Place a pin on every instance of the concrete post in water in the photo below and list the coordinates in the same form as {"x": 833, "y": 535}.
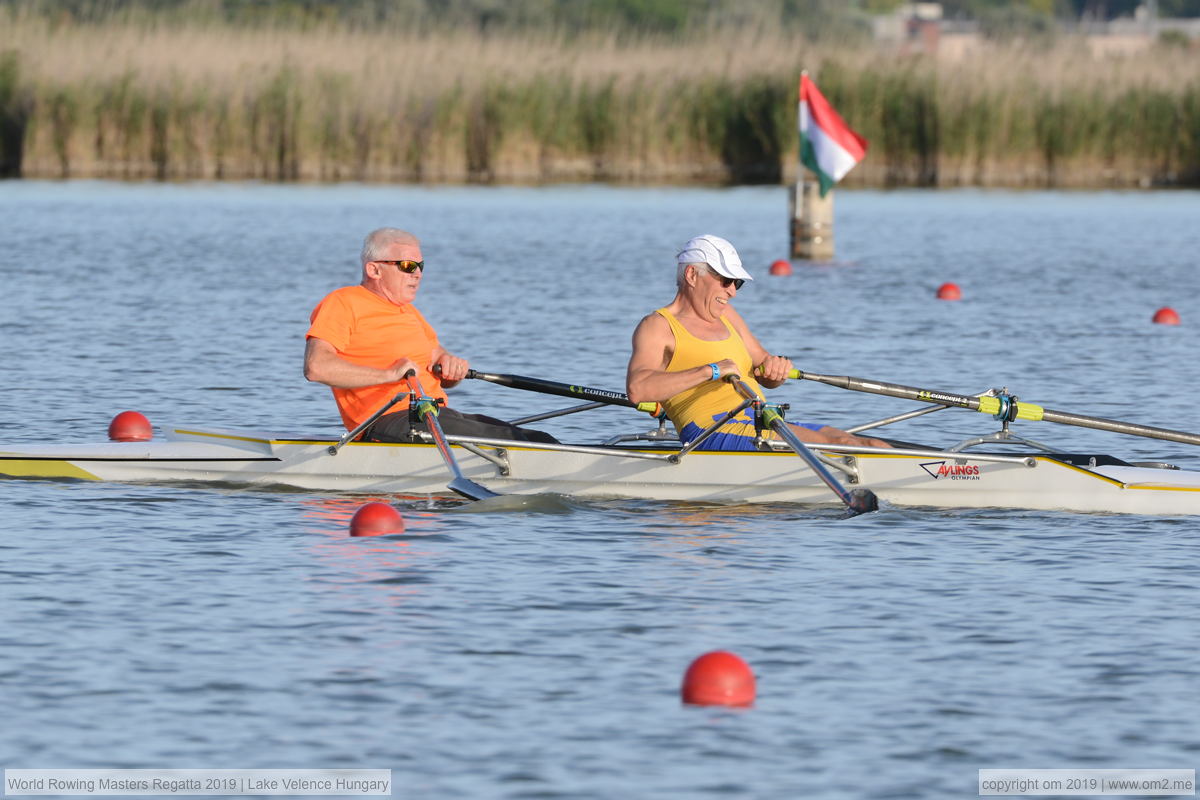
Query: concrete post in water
{"x": 811, "y": 220}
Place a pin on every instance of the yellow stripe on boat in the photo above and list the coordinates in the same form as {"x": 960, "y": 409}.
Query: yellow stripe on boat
{"x": 1162, "y": 487}
{"x": 230, "y": 436}
{"x": 1088, "y": 472}
{"x": 38, "y": 468}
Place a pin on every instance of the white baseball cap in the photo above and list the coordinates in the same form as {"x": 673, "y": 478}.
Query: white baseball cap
{"x": 717, "y": 253}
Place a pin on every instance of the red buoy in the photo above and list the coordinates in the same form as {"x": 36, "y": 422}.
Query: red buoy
{"x": 376, "y": 519}
{"x": 781, "y": 267}
{"x": 1166, "y": 316}
{"x": 949, "y": 291}
{"x": 719, "y": 678}
{"x": 130, "y": 426}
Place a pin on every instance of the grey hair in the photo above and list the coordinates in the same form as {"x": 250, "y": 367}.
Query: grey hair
{"x": 681, "y": 274}
{"x": 380, "y": 239}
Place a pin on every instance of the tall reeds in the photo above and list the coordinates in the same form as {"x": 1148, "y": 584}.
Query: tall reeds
{"x": 16, "y": 105}
{"x": 206, "y": 101}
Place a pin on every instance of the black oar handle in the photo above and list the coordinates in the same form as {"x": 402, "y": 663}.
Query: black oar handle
{"x": 561, "y": 389}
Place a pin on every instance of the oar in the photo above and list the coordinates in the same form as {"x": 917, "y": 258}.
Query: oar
{"x": 366, "y": 423}
{"x": 858, "y": 501}
{"x": 426, "y": 408}
{"x": 562, "y": 390}
{"x": 1002, "y": 407}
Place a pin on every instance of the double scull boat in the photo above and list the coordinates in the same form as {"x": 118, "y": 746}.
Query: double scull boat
{"x": 653, "y": 465}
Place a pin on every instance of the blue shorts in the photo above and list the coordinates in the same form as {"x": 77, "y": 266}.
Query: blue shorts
{"x": 734, "y": 435}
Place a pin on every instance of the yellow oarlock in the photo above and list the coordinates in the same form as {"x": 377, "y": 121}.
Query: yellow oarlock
{"x": 991, "y": 405}
{"x": 769, "y": 415}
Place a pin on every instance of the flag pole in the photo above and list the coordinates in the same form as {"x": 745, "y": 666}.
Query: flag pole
{"x": 811, "y": 215}
{"x": 811, "y": 219}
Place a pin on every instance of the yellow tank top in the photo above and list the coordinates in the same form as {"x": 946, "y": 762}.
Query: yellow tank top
{"x": 702, "y": 404}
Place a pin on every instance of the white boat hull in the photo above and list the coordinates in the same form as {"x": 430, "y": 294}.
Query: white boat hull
{"x": 905, "y": 478}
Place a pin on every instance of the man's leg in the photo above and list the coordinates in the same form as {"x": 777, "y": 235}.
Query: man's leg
{"x": 486, "y": 427}
{"x": 827, "y": 434}
{"x": 397, "y": 428}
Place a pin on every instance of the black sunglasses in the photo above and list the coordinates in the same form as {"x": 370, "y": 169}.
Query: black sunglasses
{"x": 725, "y": 282}
{"x": 406, "y": 265}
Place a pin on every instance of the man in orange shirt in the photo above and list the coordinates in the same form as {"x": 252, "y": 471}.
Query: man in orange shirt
{"x": 363, "y": 339}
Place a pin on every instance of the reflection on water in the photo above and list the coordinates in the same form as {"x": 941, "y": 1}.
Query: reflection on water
{"x": 393, "y": 562}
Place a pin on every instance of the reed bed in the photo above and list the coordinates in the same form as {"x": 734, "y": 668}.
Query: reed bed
{"x": 212, "y": 102}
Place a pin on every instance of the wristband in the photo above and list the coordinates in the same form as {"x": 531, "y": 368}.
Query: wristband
{"x": 716, "y": 371}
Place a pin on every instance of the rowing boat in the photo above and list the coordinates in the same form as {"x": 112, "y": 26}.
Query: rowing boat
{"x": 649, "y": 470}
{"x": 651, "y": 465}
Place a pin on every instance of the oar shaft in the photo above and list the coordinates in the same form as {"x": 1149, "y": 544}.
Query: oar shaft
{"x": 889, "y": 389}
{"x": 562, "y": 412}
{"x": 349, "y": 436}
{"x": 561, "y": 389}
{"x": 993, "y": 405}
{"x": 1116, "y": 426}
{"x": 784, "y": 432}
{"x": 857, "y": 502}
{"x": 427, "y": 410}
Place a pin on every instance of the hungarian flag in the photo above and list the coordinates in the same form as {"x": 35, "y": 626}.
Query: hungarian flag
{"x": 827, "y": 144}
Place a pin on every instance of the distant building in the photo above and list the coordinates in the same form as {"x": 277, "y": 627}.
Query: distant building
{"x": 1126, "y": 35}
{"x": 923, "y": 28}
{"x": 911, "y": 27}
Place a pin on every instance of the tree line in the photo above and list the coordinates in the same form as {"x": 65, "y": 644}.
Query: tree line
{"x": 815, "y": 18}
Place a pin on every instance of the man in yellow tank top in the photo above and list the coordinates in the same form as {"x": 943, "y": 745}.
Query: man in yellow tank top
{"x": 682, "y": 352}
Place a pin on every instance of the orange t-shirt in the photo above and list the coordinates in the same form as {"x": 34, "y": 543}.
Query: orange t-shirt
{"x": 366, "y": 329}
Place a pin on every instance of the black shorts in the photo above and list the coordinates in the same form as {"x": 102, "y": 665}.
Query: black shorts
{"x": 396, "y": 428}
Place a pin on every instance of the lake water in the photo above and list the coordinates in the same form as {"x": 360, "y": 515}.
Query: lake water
{"x": 538, "y": 654}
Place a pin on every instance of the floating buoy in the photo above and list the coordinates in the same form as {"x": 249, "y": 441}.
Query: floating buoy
{"x": 376, "y": 519}
{"x": 949, "y": 291}
{"x": 719, "y": 678}
{"x": 781, "y": 267}
{"x": 1166, "y": 316}
{"x": 130, "y": 426}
